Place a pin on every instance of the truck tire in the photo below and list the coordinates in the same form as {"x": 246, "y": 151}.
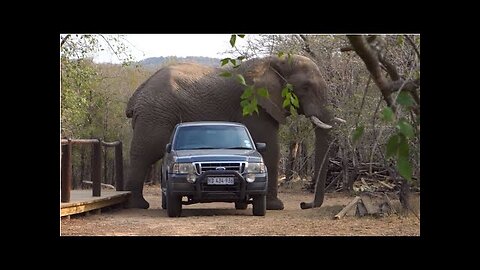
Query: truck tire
{"x": 174, "y": 205}
{"x": 260, "y": 205}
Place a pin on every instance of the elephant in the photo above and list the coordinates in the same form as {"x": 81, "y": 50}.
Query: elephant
{"x": 185, "y": 92}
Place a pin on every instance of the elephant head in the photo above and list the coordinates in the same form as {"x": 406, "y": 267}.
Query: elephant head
{"x": 311, "y": 90}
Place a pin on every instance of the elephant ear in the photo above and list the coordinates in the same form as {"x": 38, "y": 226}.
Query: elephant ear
{"x": 265, "y": 76}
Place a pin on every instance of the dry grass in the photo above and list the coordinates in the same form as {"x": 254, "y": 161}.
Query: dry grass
{"x": 221, "y": 219}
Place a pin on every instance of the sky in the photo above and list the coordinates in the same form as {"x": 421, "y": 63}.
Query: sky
{"x": 180, "y": 45}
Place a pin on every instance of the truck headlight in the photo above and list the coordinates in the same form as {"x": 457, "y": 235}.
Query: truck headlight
{"x": 255, "y": 168}
{"x": 183, "y": 168}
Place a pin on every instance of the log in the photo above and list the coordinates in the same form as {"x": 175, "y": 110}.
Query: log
{"x": 347, "y": 208}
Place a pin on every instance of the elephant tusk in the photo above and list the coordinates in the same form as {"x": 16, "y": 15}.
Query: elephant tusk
{"x": 338, "y": 119}
{"x": 319, "y": 123}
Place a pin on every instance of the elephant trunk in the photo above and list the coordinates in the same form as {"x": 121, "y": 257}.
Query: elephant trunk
{"x": 322, "y": 148}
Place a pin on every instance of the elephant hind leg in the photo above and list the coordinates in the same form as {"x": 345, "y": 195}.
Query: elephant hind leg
{"x": 138, "y": 171}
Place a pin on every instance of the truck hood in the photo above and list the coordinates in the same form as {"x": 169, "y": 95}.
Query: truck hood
{"x": 217, "y": 155}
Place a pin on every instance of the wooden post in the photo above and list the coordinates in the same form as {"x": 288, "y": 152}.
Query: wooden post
{"x": 96, "y": 168}
{"x": 119, "y": 167}
{"x": 66, "y": 172}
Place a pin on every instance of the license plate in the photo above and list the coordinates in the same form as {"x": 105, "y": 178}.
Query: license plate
{"x": 220, "y": 181}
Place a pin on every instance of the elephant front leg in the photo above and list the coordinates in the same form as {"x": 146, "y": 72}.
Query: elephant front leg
{"x": 134, "y": 184}
{"x": 271, "y": 161}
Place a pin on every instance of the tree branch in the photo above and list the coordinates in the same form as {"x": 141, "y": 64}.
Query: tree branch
{"x": 370, "y": 58}
{"x": 306, "y": 46}
{"x": 413, "y": 45}
{"x": 363, "y": 100}
{"x": 111, "y": 48}
{"x": 64, "y": 40}
{"x": 391, "y": 69}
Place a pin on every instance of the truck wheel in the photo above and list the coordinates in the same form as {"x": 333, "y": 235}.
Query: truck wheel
{"x": 241, "y": 205}
{"x": 164, "y": 201}
{"x": 174, "y": 205}
{"x": 260, "y": 205}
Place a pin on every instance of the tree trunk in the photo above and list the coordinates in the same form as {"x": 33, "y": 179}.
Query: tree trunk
{"x": 405, "y": 195}
{"x": 292, "y": 156}
{"x": 345, "y": 164}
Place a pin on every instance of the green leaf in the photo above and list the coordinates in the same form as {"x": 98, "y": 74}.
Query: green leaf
{"x": 288, "y": 96}
{"x": 403, "y": 164}
{"x": 254, "y": 104}
{"x": 280, "y": 54}
{"x": 236, "y": 66}
{"x": 392, "y": 146}
{"x": 405, "y": 128}
{"x": 263, "y": 92}
{"x": 286, "y": 103}
{"x": 295, "y": 100}
{"x": 404, "y": 168}
{"x": 290, "y": 58}
{"x": 233, "y": 38}
{"x": 289, "y": 86}
{"x": 357, "y": 133}
{"x": 234, "y": 62}
{"x": 241, "y": 80}
{"x": 241, "y": 36}
{"x": 284, "y": 91}
{"x": 387, "y": 114}
{"x": 244, "y": 103}
{"x": 405, "y": 99}
{"x": 226, "y": 74}
{"x": 241, "y": 57}
{"x": 247, "y": 93}
{"x": 225, "y": 61}
{"x": 246, "y": 110}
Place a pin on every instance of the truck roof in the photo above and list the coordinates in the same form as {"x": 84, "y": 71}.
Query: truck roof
{"x": 203, "y": 123}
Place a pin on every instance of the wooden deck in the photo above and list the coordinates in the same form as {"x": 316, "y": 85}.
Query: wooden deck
{"x": 83, "y": 201}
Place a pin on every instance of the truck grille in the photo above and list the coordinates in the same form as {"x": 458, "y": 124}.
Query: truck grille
{"x": 202, "y": 167}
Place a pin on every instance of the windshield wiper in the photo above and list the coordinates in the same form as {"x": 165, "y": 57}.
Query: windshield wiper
{"x": 203, "y": 148}
{"x": 240, "y": 147}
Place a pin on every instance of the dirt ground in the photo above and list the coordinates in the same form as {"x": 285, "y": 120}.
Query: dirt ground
{"x": 221, "y": 219}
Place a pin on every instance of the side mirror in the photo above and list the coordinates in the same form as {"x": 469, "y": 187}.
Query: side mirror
{"x": 261, "y": 147}
{"x": 168, "y": 148}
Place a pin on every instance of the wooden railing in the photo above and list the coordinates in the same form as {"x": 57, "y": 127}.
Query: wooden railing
{"x": 66, "y": 183}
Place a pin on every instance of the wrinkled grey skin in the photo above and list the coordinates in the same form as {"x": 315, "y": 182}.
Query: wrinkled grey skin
{"x": 190, "y": 92}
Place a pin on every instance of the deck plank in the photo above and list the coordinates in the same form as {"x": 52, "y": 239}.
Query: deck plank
{"x": 83, "y": 201}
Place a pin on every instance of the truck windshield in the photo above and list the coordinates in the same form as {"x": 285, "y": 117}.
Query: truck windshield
{"x": 212, "y": 137}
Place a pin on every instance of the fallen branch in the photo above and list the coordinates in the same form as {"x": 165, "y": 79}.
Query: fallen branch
{"x": 347, "y": 208}
{"x": 386, "y": 185}
{"x": 101, "y": 184}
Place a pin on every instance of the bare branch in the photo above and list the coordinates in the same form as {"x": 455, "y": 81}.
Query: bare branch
{"x": 306, "y": 46}
{"x": 370, "y": 58}
{"x": 363, "y": 100}
{"x": 413, "y": 45}
{"x": 64, "y": 40}
{"x": 410, "y": 86}
{"x": 113, "y": 50}
{"x": 391, "y": 69}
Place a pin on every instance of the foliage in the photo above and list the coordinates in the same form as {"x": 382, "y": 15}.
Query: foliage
{"x": 354, "y": 99}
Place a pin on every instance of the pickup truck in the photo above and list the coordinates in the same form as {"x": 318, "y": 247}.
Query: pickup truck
{"x": 213, "y": 162}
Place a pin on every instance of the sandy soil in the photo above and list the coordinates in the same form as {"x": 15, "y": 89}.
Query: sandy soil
{"x": 221, "y": 219}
